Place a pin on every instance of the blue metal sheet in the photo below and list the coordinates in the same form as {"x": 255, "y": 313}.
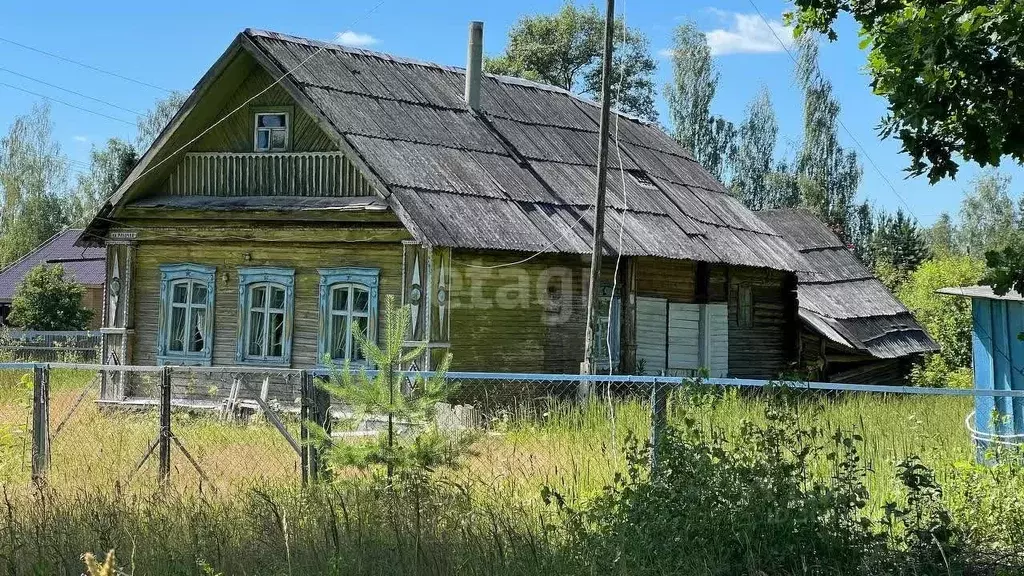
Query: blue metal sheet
{"x": 1001, "y": 367}
{"x": 1015, "y": 324}
{"x": 984, "y": 375}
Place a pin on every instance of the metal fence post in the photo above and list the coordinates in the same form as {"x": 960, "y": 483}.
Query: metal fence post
{"x": 659, "y": 406}
{"x": 320, "y": 409}
{"x": 164, "y": 471}
{"x": 40, "y": 422}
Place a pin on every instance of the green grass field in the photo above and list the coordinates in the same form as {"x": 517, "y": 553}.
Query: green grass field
{"x": 575, "y": 449}
{"x": 243, "y": 514}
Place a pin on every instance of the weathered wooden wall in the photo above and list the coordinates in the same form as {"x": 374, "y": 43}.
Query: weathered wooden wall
{"x": 235, "y": 134}
{"x": 92, "y": 299}
{"x": 768, "y": 347}
{"x": 227, "y": 255}
{"x": 525, "y": 318}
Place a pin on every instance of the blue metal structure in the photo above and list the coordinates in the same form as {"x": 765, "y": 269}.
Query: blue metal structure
{"x": 998, "y": 351}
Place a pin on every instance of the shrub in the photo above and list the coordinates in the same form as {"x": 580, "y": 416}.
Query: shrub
{"x": 47, "y": 300}
{"x": 946, "y": 318}
{"x": 781, "y": 498}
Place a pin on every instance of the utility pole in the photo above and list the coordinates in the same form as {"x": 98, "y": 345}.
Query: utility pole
{"x": 602, "y": 177}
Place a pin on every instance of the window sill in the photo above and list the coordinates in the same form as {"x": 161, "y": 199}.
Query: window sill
{"x": 263, "y": 362}
{"x": 182, "y": 361}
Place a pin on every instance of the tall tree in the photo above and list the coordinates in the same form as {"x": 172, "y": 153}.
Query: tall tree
{"x": 754, "y": 156}
{"x": 940, "y": 237}
{"x": 564, "y": 49}
{"x": 987, "y": 215}
{"x": 689, "y": 96}
{"x": 33, "y": 179}
{"x": 952, "y": 72}
{"x": 108, "y": 167}
{"x": 861, "y": 229}
{"x": 829, "y": 174}
{"x": 898, "y": 242}
{"x": 156, "y": 118}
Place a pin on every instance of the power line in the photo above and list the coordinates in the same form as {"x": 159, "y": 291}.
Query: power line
{"x": 277, "y": 81}
{"x": 70, "y": 105}
{"x": 70, "y": 91}
{"x": 84, "y": 65}
{"x": 839, "y": 120}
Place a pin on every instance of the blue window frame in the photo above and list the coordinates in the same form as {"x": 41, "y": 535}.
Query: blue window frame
{"x": 348, "y": 298}
{"x": 266, "y": 302}
{"x": 185, "y": 334}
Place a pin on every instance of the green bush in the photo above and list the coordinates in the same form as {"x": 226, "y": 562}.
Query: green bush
{"x": 47, "y": 300}
{"x": 946, "y": 318}
{"x": 782, "y": 498}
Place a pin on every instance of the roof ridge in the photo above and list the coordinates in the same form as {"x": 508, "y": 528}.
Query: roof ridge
{"x": 38, "y": 248}
{"x": 514, "y": 80}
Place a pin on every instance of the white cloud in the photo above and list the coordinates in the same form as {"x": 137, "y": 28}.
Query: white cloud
{"x": 352, "y": 38}
{"x": 82, "y": 139}
{"x": 749, "y": 34}
{"x": 666, "y": 52}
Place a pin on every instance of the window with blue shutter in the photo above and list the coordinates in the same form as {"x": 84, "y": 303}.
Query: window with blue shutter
{"x": 185, "y": 335}
{"x": 348, "y": 301}
{"x": 266, "y": 303}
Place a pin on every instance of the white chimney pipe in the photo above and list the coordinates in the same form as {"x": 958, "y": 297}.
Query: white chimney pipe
{"x": 474, "y": 63}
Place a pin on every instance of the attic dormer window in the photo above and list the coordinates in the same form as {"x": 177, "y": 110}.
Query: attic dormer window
{"x": 271, "y": 131}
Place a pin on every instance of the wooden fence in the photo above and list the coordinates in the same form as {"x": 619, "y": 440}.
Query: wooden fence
{"x": 50, "y": 346}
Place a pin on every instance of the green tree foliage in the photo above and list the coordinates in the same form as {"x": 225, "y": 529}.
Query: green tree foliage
{"x": 710, "y": 138}
{"x": 156, "y": 118}
{"x": 829, "y": 175}
{"x": 988, "y": 218}
{"x": 898, "y": 242}
{"x": 33, "y": 181}
{"x": 413, "y": 443}
{"x": 754, "y": 157}
{"x": 952, "y": 73}
{"x": 940, "y": 236}
{"x": 565, "y": 50}
{"x": 48, "y": 300}
{"x": 108, "y": 167}
{"x": 946, "y": 318}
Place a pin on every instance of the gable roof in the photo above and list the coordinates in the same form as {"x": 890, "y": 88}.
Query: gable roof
{"x": 518, "y": 174}
{"x": 840, "y": 298}
{"x": 86, "y": 265}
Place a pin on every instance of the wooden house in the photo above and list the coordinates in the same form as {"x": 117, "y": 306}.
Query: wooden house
{"x": 84, "y": 265}
{"x": 270, "y": 217}
{"x": 853, "y": 329}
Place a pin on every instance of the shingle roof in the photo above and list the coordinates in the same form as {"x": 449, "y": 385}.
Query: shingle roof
{"x": 86, "y": 265}
{"x": 519, "y": 175}
{"x": 840, "y": 298}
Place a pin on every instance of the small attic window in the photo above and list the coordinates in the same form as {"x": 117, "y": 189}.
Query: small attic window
{"x": 642, "y": 180}
{"x": 271, "y": 131}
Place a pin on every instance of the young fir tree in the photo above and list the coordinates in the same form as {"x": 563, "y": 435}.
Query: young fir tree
{"x": 413, "y": 444}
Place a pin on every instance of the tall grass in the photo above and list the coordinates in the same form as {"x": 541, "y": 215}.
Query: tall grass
{"x": 492, "y": 516}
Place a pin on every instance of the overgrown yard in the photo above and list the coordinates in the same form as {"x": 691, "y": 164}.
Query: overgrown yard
{"x": 524, "y": 498}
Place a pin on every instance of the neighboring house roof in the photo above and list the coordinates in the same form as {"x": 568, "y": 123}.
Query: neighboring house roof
{"x": 516, "y": 175}
{"x": 984, "y": 292}
{"x": 86, "y": 265}
{"x": 840, "y": 298}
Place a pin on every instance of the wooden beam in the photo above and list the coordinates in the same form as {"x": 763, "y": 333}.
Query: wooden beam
{"x": 276, "y": 215}
{"x": 627, "y": 337}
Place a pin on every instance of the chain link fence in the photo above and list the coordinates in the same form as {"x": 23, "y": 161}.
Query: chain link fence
{"x": 214, "y": 428}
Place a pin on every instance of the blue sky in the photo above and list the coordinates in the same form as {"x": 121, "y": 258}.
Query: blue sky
{"x": 172, "y": 44}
